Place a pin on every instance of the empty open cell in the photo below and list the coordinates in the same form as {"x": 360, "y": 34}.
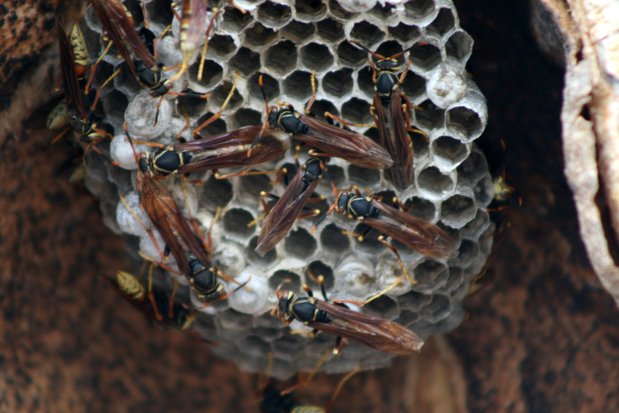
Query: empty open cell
{"x": 300, "y": 243}
{"x": 333, "y": 240}
{"x": 259, "y": 35}
{"x": 247, "y": 117}
{"x": 350, "y": 55}
{"x": 390, "y": 48}
{"x": 369, "y": 241}
{"x": 472, "y": 169}
{"x": 114, "y": 104}
{"x": 430, "y": 275}
{"x": 237, "y": 220}
{"x": 245, "y": 61}
{"x": 419, "y": 9}
{"x": 191, "y": 103}
{"x": 254, "y": 184}
{"x": 234, "y": 20}
{"x": 413, "y": 301}
{"x": 467, "y": 252}
{"x": 335, "y": 175}
{"x": 363, "y": 176}
{"x": 270, "y": 85}
{"x": 211, "y": 75}
{"x": 437, "y": 309}
{"x": 384, "y": 307}
{"x": 443, "y": 23}
{"x": 215, "y": 128}
{"x": 357, "y": 111}
{"x": 431, "y": 179}
{"x": 310, "y": 10}
{"x": 338, "y": 12}
{"x": 365, "y": 82}
{"x": 407, "y": 317}
{"x": 413, "y": 85}
{"x": 459, "y": 46}
{"x": 221, "y": 93}
{"x": 404, "y": 32}
{"x": 425, "y": 56}
{"x": 338, "y": 83}
{"x": 221, "y": 46}
{"x": 281, "y": 58}
{"x": 429, "y": 116}
{"x": 287, "y": 279}
{"x": 382, "y": 11}
{"x": 297, "y": 31}
{"x": 450, "y": 149}
{"x": 255, "y": 345}
{"x": 330, "y": 30}
{"x": 315, "y": 269}
{"x": 321, "y": 106}
{"x": 216, "y": 193}
{"x": 254, "y": 258}
{"x": 274, "y": 14}
{"x": 298, "y": 85}
{"x": 316, "y": 56}
{"x": 484, "y": 190}
{"x": 421, "y": 208}
{"x": 160, "y": 12}
{"x": 458, "y": 210}
{"x": 366, "y": 34}
{"x": 104, "y": 71}
{"x": 465, "y": 120}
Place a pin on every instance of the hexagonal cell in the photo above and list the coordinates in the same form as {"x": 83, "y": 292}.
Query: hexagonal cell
{"x": 300, "y": 243}
{"x": 259, "y": 36}
{"x": 234, "y": 20}
{"x": 464, "y": 119}
{"x": 363, "y": 176}
{"x": 245, "y": 61}
{"x": 212, "y": 74}
{"x": 281, "y": 58}
{"x": 160, "y": 12}
{"x": 221, "y": 93}
{"x": 271, "y": 87}
{"x": 114, "y": 104}
{"x": 310, "y": 10}
{"x": 316, "y": 56}
{"x": 273, "y": 14}
{"x": 335, "y": 175}
{"x": 338, "y": 83}
{"x": 216, "y": 193}
{"x": 414, "y": 85}
{"x": 419, "y": 9}
{"x": 432, "y": 180}
{"x": 421, "y": 208}
{"x": 437, "y": 309}
{"x": 443, "y": 23}
{"x": 126, "y": 81}
{"x": 333, "y": 240}
{"x": 350, "y": 55}
{"x": 221, "y": 46}
{"x": 254, "y": 258}
{"x": 298, "y": 85}
{"x": 237, "y": 220}
{"x": 191, "y": 103}
{"x": 484, "y": 190}
{"x": 321, "y": 106}
{"x": 383, "y": 306}
{"x": 356, "y": 110}
{"x": 429, "y": 116}
{"x": 430, "y": 275}
{"x": 254, "y": 184}
{"x": 369, "y": 241}
{"x": 390, "y": 48}
{"x": 366, "y": 34}
{"x": 413, "y": 301}
{"x": 365, "y": 82}
{"x": 338, "y": 12}
{"x": 382, "y": 12}
{"x": 104, "y": 71}
{"x": 472, "y": 169}
{"x": 315, "y": 269}
{"x": 330, "y": 30}
{"x": 407, "y": 317}
{"x": 215, "y": 128}
{"x": 404, "y": 32}
{"x": 458, "y": 210}
{"x": 425, "y": 57}
{"x": 247, "y": 117}
{"x": 289, "y": 279}
{"x": 459, "y": 46}
{"x": 297, "y": 31}
{"x": 450, "y": 149}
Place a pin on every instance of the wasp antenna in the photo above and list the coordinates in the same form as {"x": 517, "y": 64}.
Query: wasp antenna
{"x": 374, "y": 54}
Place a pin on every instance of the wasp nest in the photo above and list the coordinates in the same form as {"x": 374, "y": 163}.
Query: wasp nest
{"x": 287, "y": 41}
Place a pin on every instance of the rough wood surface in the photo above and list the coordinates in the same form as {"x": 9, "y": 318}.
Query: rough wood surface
{"x": 544, "y": 337}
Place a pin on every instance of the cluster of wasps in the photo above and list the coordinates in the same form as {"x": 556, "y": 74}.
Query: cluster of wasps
{"x": 248, "y": 147}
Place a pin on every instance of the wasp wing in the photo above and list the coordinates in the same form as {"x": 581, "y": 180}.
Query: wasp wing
{"x": 72, "y": 91}
{"x": 376, "y": 332}
{"x": 416, "y": 233}
{"x": 284, "y": 213}
{"x": 334, "y": 141}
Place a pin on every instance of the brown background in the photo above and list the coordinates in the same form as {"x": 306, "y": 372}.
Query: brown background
{"x": 544, "y": 337}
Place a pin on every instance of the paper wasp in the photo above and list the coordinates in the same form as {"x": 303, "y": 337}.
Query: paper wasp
{"x": 287, "y": 209}
{"x": 161, "y": 309}
{"x": 272, "y": 400}
{"x": 390, "y": 110}
{"x": 416, "y": 233}
{"x": 329, "y": 139}
{"x": 339, "y": 320}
